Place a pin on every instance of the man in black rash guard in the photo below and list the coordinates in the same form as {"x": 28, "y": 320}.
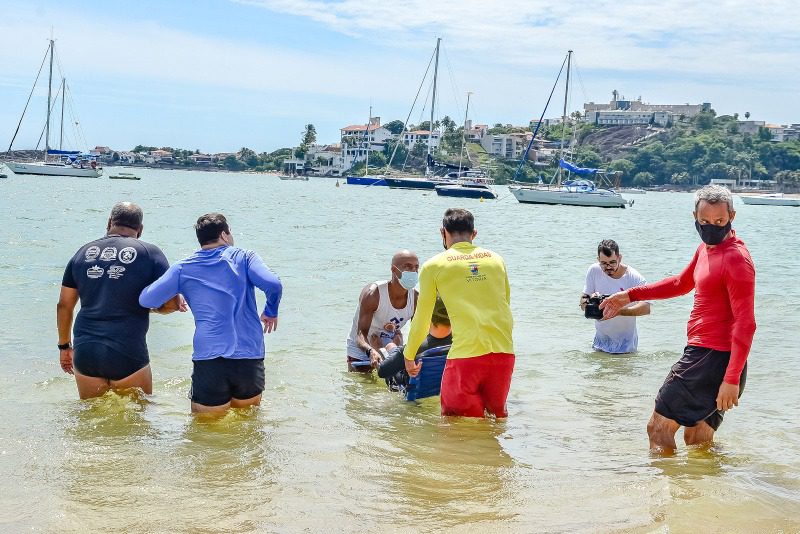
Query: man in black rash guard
{"x": 393, "y": 368}
{"x": 107, "y": 275}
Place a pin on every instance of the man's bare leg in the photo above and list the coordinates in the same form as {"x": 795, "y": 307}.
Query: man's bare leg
{"x": 143, "y": 379}
{"x": 244, "y": 403}
{"x": 699, "y": 434}
{"x": 661, "y": 432}
{"x": 90, "y": 387}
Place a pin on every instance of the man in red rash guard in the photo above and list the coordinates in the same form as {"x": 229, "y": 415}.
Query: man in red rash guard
{"x": 710, "y": 377}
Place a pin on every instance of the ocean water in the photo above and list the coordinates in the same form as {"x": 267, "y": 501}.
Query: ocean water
{"x": 329, "y": 451}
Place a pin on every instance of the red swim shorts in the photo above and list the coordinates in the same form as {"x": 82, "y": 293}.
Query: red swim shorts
{"x": 473, "y": 386}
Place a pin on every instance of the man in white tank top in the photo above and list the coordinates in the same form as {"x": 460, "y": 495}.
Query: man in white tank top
{"x": 383, "y": 308}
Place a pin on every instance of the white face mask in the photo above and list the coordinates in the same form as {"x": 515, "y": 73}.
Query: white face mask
{"x": 408, "y": 279}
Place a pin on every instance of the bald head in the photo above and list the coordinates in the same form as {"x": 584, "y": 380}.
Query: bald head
{"x": 403, "y": 257}
{"x": 404, "y": 261}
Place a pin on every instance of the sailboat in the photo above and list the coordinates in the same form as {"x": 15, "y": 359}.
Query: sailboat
{"x": 468, "y": 183}
{"x": 580, "y": 191}
{"x": 430, "y": 180}
{"x": 56, "y": 162}
{"x": 366, "y": 179}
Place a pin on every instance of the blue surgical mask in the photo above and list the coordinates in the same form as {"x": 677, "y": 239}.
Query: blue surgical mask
{"x": 409, "y": 279}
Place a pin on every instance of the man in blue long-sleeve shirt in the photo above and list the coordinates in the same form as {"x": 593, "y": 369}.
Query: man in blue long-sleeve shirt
{"x": 218, "y": 283}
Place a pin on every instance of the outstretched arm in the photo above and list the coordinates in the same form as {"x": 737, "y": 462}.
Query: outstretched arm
{"x": 673, "y": 286}
{"x": 421, "y": 322}
{"x": 162, "y": 290}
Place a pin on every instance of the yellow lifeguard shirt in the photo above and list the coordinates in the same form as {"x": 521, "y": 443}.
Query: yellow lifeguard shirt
{"x": 473, "y": 284}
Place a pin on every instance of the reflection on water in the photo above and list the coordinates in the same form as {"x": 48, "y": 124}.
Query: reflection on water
{"x": 449, "y": 471}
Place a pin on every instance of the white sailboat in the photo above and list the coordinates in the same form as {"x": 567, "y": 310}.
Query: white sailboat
{"x": 581, "y": 191}
{"x": 56, "y": 162}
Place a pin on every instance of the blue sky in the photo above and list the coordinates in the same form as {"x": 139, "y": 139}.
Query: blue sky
{"x": 217, "y": 75}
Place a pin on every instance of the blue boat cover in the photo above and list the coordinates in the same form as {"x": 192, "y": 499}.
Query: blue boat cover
{"x": 428, "y": 382}
{"x": 577, "y": 170}
{"x": 53, "y": 152}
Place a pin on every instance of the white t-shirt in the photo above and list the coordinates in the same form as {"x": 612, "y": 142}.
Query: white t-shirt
{"x": 617, "y": 335}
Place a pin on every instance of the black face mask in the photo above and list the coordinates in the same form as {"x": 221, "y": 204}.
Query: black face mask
{"x": 444, "y": 244}
{"x": 712, "y": 234}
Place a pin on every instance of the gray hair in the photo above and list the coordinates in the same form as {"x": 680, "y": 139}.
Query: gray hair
{"x": 127, "y": 214}
{"x": 713, "y": 194}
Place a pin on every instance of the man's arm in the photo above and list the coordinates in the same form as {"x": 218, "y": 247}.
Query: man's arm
{"x": 65, "y": 311}
{"x": 264, "y": 279}
{"x": 673, "y": 286}
{"x": 367, "y": 306}
{"x": 162, "y": 290}
{"x": 176, "y": 303}
{"x": 740, "y": 283}
{"x": 635, "y": 309}
{"x": 422, "y": 317}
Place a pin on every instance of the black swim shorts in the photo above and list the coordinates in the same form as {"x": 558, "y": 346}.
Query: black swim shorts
{"x": 689, "y": 393}
{"x": 217, "y": 381}
{"x": 101, "y": 361}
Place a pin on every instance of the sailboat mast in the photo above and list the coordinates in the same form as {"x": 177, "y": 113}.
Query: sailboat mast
{"x": 564, "y": 115}
{"x": 63, "y": 91}
{"x": 49, "y": 97}
{"x": 369, "y": 142}
{"x": 433, "y": 96}
{"x": 464, "y": 136}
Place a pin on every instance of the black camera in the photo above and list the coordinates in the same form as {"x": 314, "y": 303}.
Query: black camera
{"x": 593, "y": 310}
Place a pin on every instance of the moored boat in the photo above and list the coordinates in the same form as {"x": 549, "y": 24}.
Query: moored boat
{"x": 562, "y": 189}
{"x": 56, "y": 162}
{"x": 466, "y": 190}
{"x": 366, "y": 180}
{"x": 573, "y": 193}
{"x": 124, "y": 176}
{"x": 775, "y": 199}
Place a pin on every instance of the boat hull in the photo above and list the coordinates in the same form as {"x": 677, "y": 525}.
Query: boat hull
{"x": 365, "y": 180}
{"x": 411, "y": 183}
{"x": 770, "y": 201}
{"x": 41, "y": 169}
{"x": 597, "y": 198}
{"x": 465, "y": 192}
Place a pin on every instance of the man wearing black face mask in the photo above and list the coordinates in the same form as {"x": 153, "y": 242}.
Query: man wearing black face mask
{"x": 710, "y": 377}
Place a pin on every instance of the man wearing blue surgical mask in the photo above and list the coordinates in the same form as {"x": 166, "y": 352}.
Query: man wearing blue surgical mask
{"x": 383, "y": 308}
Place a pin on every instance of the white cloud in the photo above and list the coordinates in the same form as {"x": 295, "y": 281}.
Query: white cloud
{"x": 725, "y": 37}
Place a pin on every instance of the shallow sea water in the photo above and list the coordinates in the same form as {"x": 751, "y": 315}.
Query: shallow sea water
{"x": 329, "y": 451}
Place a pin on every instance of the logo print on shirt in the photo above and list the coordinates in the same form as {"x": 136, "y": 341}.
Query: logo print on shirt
{"x": 127, "y": 255}
{"x": 109, "y": 254}
{"x": 115, "y": 272}
{"x": 95, "y": 272}
{"x": 92, "y": 253}
{"x": 473, "y": 268}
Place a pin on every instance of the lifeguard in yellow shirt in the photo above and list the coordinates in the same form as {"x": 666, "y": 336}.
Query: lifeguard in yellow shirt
{"x": 473, "y": 283}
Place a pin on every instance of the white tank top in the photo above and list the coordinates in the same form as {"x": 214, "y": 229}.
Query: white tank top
{"x": 386, "y": 313}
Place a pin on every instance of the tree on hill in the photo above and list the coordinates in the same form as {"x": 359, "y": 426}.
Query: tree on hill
{"x": 309, "y": 135}
{"x": 680, "y": 178}
{"x": 704, "y": 120}
{"x": 643, "y": 179}
{"x": 395, "y": 126}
